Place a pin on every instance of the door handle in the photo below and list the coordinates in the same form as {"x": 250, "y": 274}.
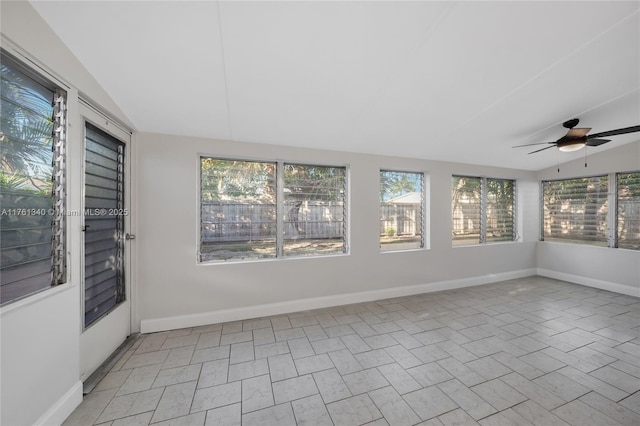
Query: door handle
{"x": 129, "y": 237}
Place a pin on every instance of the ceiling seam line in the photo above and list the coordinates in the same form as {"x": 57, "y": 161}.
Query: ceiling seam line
{"x": 353, "y": 123}
{"x": 546, "y": 70}
{"x": 224, "y": 72}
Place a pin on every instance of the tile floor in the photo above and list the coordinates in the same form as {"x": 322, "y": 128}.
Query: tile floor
{"x": 527, "y": 351}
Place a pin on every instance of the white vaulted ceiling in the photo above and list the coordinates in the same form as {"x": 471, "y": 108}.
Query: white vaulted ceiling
{"x": 454, "y": 81}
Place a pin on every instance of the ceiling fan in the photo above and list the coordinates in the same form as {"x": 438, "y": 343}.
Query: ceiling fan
{"x": 577, "y": 138}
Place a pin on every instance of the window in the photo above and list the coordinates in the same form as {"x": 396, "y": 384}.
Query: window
{"x": 575, "y": 210}
{"x": 104, "y": 232}
{"x": 246, "y": 214}
{"x": 238, "y": 209}
{"x": 500, "y": 200}
{"x": 32, "y": 182}
{"x": 482, "y": 210}
{"x": 628, "y": 218}
{"x": 465, "y": 210}
{"x": 401, "y": 210}
{"x": 314, "y": 210}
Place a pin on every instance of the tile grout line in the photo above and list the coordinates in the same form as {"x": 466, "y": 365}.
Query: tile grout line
{"x": 480, "y": 314}
{"x": 104, "y": 369}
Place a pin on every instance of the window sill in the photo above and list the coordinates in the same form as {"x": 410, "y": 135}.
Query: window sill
{"x": 34, "y": 298}
{"x": 411, "y": 250}
{"x": 496, "y": 243}
{"x": 268, "y": 260}
{"x": 576, "y": 243}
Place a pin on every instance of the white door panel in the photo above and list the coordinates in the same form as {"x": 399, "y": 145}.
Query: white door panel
{"x": 105, "y": 293}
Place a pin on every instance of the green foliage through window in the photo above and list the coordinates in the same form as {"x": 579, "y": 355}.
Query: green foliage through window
{"x": 31, "y": 132}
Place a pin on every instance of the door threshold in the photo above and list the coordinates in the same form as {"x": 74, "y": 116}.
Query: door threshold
{"x": 93, "y": 380}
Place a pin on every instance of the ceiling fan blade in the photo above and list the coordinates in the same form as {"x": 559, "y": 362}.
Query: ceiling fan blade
{"x": 578, "y": 133}
{"x": 596, "y": 142}
{"x": 530, "y": 144}
{"x": 533, "y": 152}
{"x": 615, "y": 132}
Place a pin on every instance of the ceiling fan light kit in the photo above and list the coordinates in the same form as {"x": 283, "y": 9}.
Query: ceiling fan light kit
{"x": 578, "y": 138}
{"x": 571, "y": 146}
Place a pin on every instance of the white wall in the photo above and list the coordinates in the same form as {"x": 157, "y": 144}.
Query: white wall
{"x": 40, "y": 334}
{"x": 40, "y": 359}
{"x": 176, "y": 291}
{"x": 607, "y": 268}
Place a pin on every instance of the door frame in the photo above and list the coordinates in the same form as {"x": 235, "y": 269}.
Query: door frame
{"x": 100, "y": 339}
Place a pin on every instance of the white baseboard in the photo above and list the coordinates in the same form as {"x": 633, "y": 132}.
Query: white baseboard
{"x": 58, "y": 412}
{"x": 225, "y": 315}
{"x": 590, "y": 282}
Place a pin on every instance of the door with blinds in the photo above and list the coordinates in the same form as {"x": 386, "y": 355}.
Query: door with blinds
{"x": 106, "y": 306}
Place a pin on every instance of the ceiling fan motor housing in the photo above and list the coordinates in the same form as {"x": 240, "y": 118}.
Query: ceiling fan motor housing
{"x": 570, "y": 124}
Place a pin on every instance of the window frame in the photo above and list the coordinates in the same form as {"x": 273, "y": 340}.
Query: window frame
{"x": 280, "y": 238}
{"x": 482, "y": 214}
{"x": 282, "y": 249}
{"x": 608, "y": 240}
{"x": 422, "y": 222}
{"x": 616, "y": 220}
{"x": 514, "y": 216}
{"x": 201, "y": 207}
{"x": 612, "y": 218}
{"x": 59, "y": 142}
